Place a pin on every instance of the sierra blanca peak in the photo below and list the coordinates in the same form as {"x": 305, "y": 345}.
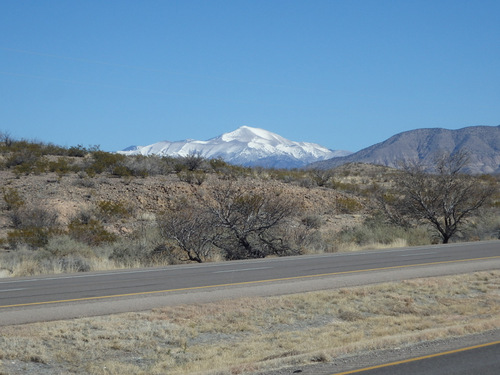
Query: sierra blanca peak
{"x": 245, "y": 146}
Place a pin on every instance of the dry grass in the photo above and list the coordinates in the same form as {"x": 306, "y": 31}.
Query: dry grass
{"x": 249, "y": 334}
{"x": 351, "y": 247}
{"x": 30, "y": 266}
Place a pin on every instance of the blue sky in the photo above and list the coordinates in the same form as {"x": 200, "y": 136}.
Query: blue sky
{"x": 344, "y": 74}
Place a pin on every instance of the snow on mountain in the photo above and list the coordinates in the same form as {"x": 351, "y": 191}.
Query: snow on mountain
{"x": 245, "y": 146}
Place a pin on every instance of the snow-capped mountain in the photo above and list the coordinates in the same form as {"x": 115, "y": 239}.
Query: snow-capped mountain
{"x": 245, "y": 146}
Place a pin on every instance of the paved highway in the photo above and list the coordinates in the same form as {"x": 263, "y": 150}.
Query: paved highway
{"x": 452, "y": 356}
{"x": 25, "y": 300}
{"x": 476, "y": 360}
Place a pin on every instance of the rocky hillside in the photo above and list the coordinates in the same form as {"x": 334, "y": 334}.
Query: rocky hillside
{"x": 483, "y": 143}
{"x": 143, "y": 197}
{"x": 116, "y": 217}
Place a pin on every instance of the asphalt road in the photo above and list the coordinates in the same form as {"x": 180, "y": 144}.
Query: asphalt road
{"x": 24, "y": 300}
{"x": 477, "y": 354}
{"x": 480, "y": 359}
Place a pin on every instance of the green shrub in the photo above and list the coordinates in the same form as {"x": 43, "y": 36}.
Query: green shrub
{"x": 61, "y": 166}
{"x": 26, "y": 157}
{"x": 34, "y": 237}
{"x": 121, "y": 171}
{"x": 110, "y": 209}
{"x": 12, "y": 198}
{"x": 32, "y": 225}
{"x": 104, "y": 162}
{"x": 77, "y": 151}
{"x": 348, "y": 205}
{"x": 345, "y": 186}
{"x": 91, "y": 232}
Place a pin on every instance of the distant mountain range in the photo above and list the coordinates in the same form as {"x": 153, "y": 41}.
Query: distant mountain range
{"x": 245, "y": 146}
{"x": 258, "y": 147}
{"x": 483, "y": 143}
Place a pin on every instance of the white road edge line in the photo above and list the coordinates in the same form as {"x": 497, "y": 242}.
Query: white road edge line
{"x": 414, "y": 255}
{"x": 11, "y": 290}
{"x": 243, "y": 269}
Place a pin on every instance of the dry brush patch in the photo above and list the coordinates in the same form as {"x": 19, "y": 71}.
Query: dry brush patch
{"x": 118, "y": 217}
{"x": 249, "y": 334}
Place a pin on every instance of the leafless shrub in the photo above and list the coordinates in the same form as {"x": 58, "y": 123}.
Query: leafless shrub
{"x": 192, "y": 162}
{"x": 85, "y": 181}
{"x": 33, "y": 217}
{"x": 32, "y": 225}
{"x": 321, "y": 176}
{"x": 152, "y": 165}
{"x": 313, "y": 221}
{"x": 251, "y": 221}
{"x": 241, "y": 222}
{"x": 192, "y": 230}
{"x": 6, "y": 139}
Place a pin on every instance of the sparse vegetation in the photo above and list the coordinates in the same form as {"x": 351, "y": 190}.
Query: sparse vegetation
{"x": 201, "y": 210}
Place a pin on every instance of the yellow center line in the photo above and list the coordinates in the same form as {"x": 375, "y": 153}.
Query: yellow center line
{"x": 245, "y": 282}
{"x": 417, "y": 358}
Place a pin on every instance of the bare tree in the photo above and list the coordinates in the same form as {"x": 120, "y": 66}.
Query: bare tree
{"x": 192, "y": 230}
{"x": 6, "y": 139}
{"x": 440, "y": 195}
{"x": 243, "y": 222}
{"x": 251, "y": 221}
